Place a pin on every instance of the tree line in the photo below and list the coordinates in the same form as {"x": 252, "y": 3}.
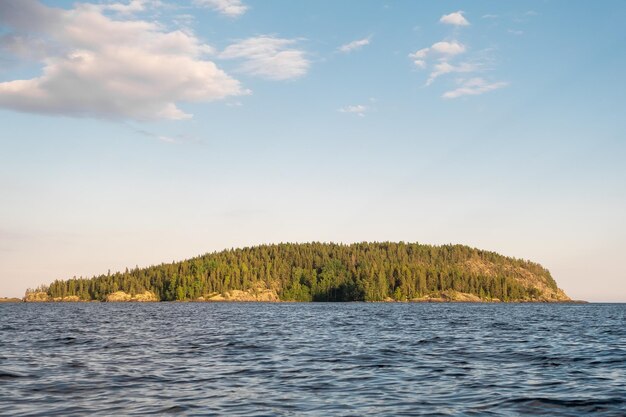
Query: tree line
{"x": 325, "y": 272}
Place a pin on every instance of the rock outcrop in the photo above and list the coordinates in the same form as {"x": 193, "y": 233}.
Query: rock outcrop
{"x": 449, "y": 296}
{"x": 121, "y": 296}
{"x": 532, "y": 281}
{"x": 37, "y": 297}
{"x": 41, "y": 296}
{"x": 256, "y": 294}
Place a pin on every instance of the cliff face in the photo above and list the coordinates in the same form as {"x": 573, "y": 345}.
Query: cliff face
{"x": 42, "y": 297}
{"x": 541, "y": 285}
{"x": 121, "y": 296}
{"x": 257, "y": 294}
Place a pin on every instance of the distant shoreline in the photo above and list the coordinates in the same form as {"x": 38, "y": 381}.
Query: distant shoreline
{"x": 11, "y": 300}
{"x": 431, "y": 301}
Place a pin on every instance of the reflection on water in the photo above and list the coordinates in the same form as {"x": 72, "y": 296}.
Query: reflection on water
{"x": 312, "y": 359}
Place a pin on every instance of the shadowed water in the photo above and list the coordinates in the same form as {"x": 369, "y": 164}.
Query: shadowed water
{"x": 312, "y": 359}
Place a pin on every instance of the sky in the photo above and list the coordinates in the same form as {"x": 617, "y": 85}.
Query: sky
{"x": 145, "y": 131}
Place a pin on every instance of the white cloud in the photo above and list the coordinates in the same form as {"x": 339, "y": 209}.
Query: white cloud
{"x": 472, "y": 87}
{"x": 456, "y": 19}
{"x": 24, "y": 46}
{"x": 97, "y": 66}
{"x": 441, "y": 49}
{"x": 438, "y": 60}
{"x": 490, "y": 16}
{"x": 184, "y": 20}
{"x": 230, "y": 8}
{"x": 354, "y": 45}
{"x": 420, "y": 54}
{"x": 515, "y": 32}
{"x": 359, "y": 109}
{"x": 441, "y": 58}
{"x": 448, "y": 48}
{"x": 134, "y": 6}
{"x": 445, "y": 67}
{"x": 268, "y": 57}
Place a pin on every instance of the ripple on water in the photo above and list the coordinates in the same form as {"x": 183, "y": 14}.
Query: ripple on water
{"x": 312, "y": 359}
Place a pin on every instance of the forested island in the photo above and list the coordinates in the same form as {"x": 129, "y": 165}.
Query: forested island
{"x": 384, "y": 271}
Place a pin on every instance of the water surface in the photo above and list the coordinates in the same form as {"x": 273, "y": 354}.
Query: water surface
{"x": 312, "y": 359}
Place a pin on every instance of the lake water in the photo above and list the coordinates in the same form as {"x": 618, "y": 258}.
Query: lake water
{"x": 312, "y": 359}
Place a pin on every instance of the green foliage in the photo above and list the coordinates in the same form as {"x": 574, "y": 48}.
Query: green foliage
{"x": 325, "y": 272}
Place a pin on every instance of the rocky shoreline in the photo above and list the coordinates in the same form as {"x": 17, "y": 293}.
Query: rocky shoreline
{"x": 270, "y": 296}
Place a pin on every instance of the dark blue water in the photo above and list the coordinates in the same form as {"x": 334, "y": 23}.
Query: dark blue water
{"x": 312, "y": 359}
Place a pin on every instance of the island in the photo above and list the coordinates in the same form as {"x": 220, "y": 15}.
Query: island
{"x": 10, "y": 300}
{"x": 367, "y": 271}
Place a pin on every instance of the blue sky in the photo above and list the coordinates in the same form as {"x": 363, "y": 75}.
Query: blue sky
{"x": 140, "y": 132}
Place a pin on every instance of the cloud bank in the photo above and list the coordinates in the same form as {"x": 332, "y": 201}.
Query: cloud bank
{"x": 95, "y": 65}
